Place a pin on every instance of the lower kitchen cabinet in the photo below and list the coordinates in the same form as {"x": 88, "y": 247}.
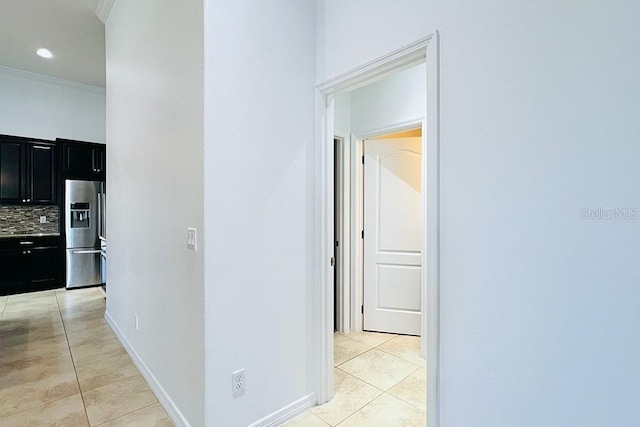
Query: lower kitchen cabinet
{"x": 29, "y": 264}
{"x": 11, "y": 273}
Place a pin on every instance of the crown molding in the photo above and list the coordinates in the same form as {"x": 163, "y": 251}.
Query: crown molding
{"x": 49, "y": 79}
{"x": 104, "y": 9}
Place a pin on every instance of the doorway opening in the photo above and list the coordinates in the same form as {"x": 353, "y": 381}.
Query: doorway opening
{"x": 363, "y": 221}
{"x": 422, "y": 51}
{"x": 340, "y": 251}
{"x": 377, "y": 358}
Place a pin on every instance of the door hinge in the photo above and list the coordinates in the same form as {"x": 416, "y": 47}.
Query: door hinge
{"x": 363, "y": 160}
{"x": 363, "y": 234}
{"x": 333, "y": 262}
{"x": 362, "y": 309}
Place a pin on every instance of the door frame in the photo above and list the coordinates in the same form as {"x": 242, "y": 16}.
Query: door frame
{"x": 342, "y": 173}
{"x": 421, "y": 51}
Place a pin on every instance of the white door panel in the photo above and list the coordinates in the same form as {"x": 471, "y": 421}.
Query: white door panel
{"x": 398, "y": 208}
{"x": 397, "y": 287}
{"x": 392, "y": 239}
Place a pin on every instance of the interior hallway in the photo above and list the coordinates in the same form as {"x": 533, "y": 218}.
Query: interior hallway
{"x": 61, "y": 365}
{"x": 379, "y": 380}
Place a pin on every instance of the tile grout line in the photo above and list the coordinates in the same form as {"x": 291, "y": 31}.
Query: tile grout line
{"x": 350, "y": 359}
{"x": 413, "y": 372}
{"x": 400, "y": 357}
{"x": 360, "y": 407}
{"x": 73, "y": 362}
{"x": 365, "y": 381}
{"x": 66, "y": 336}
{"x": 369, "y": 349}
{"x": 378, "y": 388}
{"x": 417, "y": 367}
{"x": 393, "y": 336}
{"x": 416, "y": 370}
{"x": 357, "y": 378}
{"x": 53, "y": 401}
{"x": 408, "y": 403}
{"x": 87, "y": 391}
{"x": 360, "y": 379}
{"x": 376, "y": 398}
{"x": 369, "y": 403}
{"x": 128, "y": 413}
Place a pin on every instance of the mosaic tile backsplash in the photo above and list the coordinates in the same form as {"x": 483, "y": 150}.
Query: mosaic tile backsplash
{"x": 26, "y": 219}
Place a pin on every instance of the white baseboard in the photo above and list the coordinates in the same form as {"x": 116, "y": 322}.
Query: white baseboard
{"x": 163, "y": 398}
{"x": 287, "y": 413}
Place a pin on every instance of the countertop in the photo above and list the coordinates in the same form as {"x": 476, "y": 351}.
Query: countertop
{"x": 19, "y": 235}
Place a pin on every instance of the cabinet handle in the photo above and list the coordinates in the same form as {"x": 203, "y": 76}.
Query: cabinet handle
{"x": 25, "y": 242}
{"x": 28, "y": 200}
{"x": 24, "y": 200}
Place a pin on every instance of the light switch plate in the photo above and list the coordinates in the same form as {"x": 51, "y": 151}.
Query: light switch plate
{"x": 192, "y": 239}
{"x": 43, "y": 219}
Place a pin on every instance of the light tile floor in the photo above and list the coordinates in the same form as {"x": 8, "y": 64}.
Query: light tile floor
{"x": 379, "y": 381}
{"x": 61, "y": 365}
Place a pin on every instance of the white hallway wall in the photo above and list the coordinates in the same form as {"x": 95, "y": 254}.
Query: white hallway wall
{"x": 44, "y": 107}
{"x": 259, "y": 78}
{"x": 539, "y": 307}
{"x": 155, "y": 182}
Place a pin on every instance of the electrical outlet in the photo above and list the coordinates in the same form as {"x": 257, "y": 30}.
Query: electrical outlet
{"x": 137, "y": 324}
{"x": 43, "y": 219}
{"x": 192, "y": 239}
{"x": 238, "y": 381}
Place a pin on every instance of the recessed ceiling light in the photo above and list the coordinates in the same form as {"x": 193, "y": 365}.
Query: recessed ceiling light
{"x": 45, "y": 53}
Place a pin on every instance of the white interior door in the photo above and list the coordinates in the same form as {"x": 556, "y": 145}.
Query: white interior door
{"x": 392, "y": 235}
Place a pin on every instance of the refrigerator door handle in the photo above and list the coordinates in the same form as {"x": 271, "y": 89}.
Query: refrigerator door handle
{"x": 103, "y": 217}
{"x": 99, "y": 214}
{"x": 97, "y": 251}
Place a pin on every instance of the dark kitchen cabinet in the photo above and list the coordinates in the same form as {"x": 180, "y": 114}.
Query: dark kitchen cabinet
{"x": 41, "y": 173}
{"x": 41, "y": 267}
{"x": 12, "y": 164}
{"x": 83, "y": 160}
{"x": 27, "y": 171}
{"x": 29, "y": 264}
{"x": 12, "y": 271}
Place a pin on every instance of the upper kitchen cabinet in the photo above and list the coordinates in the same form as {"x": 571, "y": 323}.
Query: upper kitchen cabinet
{"x": 12, "y": 164}
{"x": 83, "y": 160}
{"x": 27, "y": 171}
{"x": 41, "y": 173}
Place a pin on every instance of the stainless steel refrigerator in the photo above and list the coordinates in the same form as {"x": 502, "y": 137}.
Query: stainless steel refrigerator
{"x": 84, "y": 224}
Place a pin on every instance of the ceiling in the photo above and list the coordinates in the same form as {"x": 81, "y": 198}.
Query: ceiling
{"x": 70, "y": 29}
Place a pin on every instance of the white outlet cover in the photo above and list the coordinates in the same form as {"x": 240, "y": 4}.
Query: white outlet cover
{"x": 43, "y": 219}
{"x": 192, "y": 239}
{"x": 238, "y": 382}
